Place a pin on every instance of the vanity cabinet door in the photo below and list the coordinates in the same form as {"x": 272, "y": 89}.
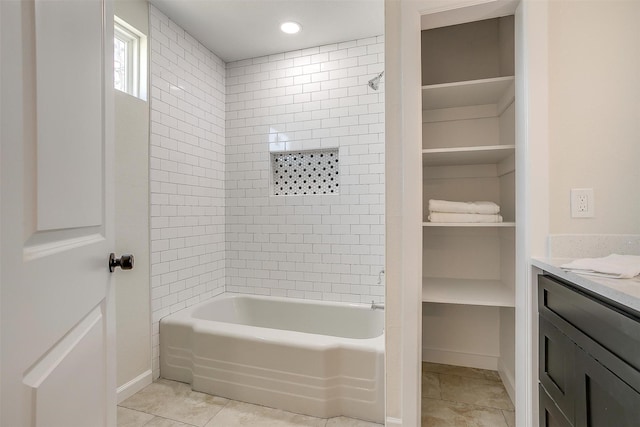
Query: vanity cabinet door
{"x": 589, "y": 361}
{"x": 557, "y": 367}
{"x": 550, "y": 414}
{"x": 603, "y": 399}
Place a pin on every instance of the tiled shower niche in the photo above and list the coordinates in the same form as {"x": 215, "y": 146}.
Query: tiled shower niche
{"x": 305, "y": 172}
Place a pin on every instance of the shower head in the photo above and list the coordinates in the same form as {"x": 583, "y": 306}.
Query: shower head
{"x": 374, "y": 83}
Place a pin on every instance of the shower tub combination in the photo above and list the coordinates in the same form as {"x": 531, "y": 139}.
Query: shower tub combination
{"x": 315, "y": 358}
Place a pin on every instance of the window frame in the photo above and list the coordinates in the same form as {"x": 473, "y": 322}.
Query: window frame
{"x": 136, "y": 58}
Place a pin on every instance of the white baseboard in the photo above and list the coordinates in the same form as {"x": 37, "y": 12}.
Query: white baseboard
{"x": 135, "y": 385}
{"x": 393, "y": 422}
{"x": 470, "y": 360}
{"x": 508, "y": 381}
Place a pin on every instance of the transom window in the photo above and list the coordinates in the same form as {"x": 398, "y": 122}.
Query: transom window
{"x": 129, "y": 59}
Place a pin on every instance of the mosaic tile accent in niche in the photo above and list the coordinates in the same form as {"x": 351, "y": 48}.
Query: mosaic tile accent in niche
{"x": 305, "y": 172}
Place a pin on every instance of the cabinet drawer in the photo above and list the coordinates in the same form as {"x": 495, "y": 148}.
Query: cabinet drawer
{"x": 557, "y": 367}
{"x": 550, "y": 415}
{"x": 615, "y": 330}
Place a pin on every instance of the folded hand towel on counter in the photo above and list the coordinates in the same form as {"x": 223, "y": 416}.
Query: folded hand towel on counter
{"x": 613, "y": 266}
{"x": 462, "y": 217}
{"x": 486, "y": 208}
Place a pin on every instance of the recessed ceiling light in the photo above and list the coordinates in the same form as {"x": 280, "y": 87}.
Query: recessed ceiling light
{"x": 290, "y": 27}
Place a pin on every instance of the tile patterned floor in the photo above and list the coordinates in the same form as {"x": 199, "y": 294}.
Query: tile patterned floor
{"x": 451, "y": 396}
{"x": 172, "y": 404}
{"x": 464, "y": 397}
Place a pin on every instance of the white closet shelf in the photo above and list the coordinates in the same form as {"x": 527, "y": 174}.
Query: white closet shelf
{"x": 467, "y": 291}
{"x": 468, "y": 224}
{"x": 460, "y": 94}
{"x": 478, "y": 155}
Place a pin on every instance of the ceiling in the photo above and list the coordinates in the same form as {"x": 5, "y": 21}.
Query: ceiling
{"x": 241, "y": 29}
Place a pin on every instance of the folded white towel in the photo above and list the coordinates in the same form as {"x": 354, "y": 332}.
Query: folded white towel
{"x": 486, "y": 208}
{"x": 612, "y": 266}
{"x": 462, "y": 217}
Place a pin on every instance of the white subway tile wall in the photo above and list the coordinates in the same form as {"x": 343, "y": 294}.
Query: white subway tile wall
{"x": 187, "y": 172}
{"x": 214, "y": 224}
{"x": 328, "y": 247}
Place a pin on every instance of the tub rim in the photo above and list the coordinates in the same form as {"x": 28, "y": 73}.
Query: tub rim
{"x": 265, "y": 334}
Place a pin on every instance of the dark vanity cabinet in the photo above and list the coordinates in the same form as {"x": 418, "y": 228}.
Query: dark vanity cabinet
{"x": 589, "y": 364}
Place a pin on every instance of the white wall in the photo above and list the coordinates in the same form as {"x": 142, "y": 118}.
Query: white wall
{"x": 594, "y": 113}
{"x": 328, "y": 247}
{"x": 186, "y": 171}
{"x": 403, "y": 214}
{"x": 465, "y": 335}
{"x": 133, "y": 330}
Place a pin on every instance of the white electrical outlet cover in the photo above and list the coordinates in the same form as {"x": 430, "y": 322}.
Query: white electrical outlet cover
{"x": 582, "y": 203}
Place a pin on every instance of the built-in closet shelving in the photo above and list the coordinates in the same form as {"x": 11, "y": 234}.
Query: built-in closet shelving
{"x": 468, "y": 154}
{"x": 467, "y": 291}
{"x": 466, "y": 93}
{"x": 473, "y": 110}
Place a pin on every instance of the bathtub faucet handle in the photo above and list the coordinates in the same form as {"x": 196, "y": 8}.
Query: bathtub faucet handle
{"x": 376, "y": 306}
{"x": 380, "y": 274}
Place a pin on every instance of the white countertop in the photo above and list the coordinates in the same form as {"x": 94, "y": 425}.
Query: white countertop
{"x": 622, "y": 291}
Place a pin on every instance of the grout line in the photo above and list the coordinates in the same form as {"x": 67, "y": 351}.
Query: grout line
{"x": 165, "y": 418}
{"x": 458, "y": 367}
{"x": 474, "y": 378}
{"x": 470, "y": 404}
{"x": 505, "y": 416}
{"x": 138, "y": 410}
{"x": 221, "y": 409}
{"x": 170, "y": 419}
{"x": 505, "y": 419}
{"x": 498, "y": 380}
{"x": 155, "y": 416}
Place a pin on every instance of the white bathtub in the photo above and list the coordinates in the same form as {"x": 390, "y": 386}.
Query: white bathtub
{"x": 315, "y": 358}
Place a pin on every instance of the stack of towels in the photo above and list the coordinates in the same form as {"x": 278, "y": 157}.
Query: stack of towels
{"x": 446, "y": 211}
{"x": 613, "y": 266}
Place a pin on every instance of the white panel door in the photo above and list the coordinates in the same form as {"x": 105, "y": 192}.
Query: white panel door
{"x": 57, "y": 328}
